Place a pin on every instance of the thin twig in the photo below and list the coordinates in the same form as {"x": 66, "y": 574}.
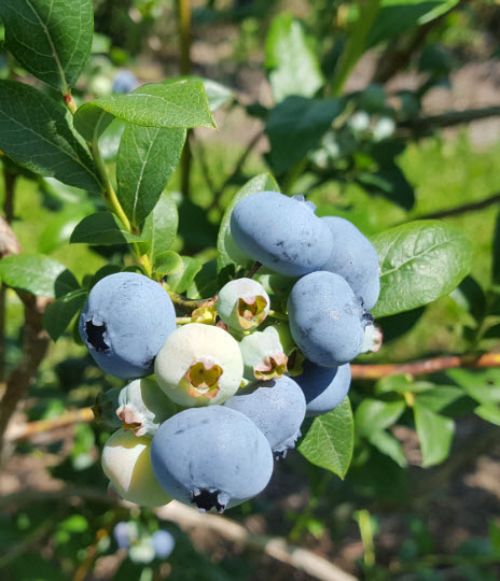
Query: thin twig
{"x": 425, "y": 366}
{"x": 190, "y": 304}
{"x": 183, "y": 12}
{"x": 277, "y": 548}
{"x": 422, "y": 126}
{"x": 363, "y": 371}
{"x": 8, "y": 245}
{"x": 189, "y": 518}
{"x": 31, "y": 429}
{"x": 200, "y": 151}
{"x": 35, "y": 345}
{"x": 396, "y": 57}
{"x": 463, "y": 209}
{"x": 237, "y": 169}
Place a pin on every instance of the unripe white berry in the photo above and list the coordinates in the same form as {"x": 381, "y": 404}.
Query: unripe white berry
{"x": 199, "y": 365}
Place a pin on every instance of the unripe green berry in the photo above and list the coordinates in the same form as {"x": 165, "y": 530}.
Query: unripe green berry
{"x": 126, "y": 461}
{"x": 263, "y": 355}
{"x": 142, "y": 407}
{"x": 243, "y": 304}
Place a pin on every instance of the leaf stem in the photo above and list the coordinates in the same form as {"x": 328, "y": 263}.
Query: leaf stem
{"x": 184, "y": 26}
{"x": 356, "y": 43}
{"x": 189, "y": 304}
{"x": 279, "y": 316}
{"x": 114, "y": 204}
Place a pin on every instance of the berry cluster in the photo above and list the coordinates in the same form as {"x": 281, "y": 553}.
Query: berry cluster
{"x": 228, "y": 397}
{"x": 141, "y": 546}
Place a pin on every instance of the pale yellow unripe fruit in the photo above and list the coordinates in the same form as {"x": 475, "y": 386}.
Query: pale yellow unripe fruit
{"x": 126, "y": 461}
{"x": 199, "y": 365}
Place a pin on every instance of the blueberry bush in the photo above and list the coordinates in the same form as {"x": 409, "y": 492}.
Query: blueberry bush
{"x": 179, "y": 334}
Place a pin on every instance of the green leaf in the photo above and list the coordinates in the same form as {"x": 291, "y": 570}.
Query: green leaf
{"x": 398, "y": 383}
{"x": 229, "y": 253}
{"x": 398, "y": 16}
{"x": 160, "y": 227}
{"x": 35, "y": 133}
{"x": 435, "y": 433}
{"x": 60, "y": 313}
{"x": 181, "y": 104}
{"x": 101, "y": 228}
{"x": 495, "y": 267}
{"x": 218, "y": 95}
{"x": 35, "y": 274}
{"x": 481, "y": 386}
{"x": 147, "y": 157}
{"x": 420, "y": 262}
{"x": 295, "y": 69}
{"x": 490, "y": 413}
{"x": 65, "y": 283}
{"x": 167, "y": 263}
{"x": 439, "y": 398}
{"x": 183, "y": 278}
{"x": 330, "y": 439}
{"x": 296, "y": 126}
{"x": 389, "y": 446}
{"x": 52, "y": 39}
{"x": 58, "y": 229}
{"x": 374, "y": 415}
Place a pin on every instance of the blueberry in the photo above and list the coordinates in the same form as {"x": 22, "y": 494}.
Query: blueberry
{"x": 124, "y": 534}
{"x": 142, "y": 407}
{"x": 163, "y": 544}
{"x": 125, "y": 322}
{"x": 263, "y": 355}
{"x": 213, "y": 457}
{"x": 326, "y": 319}
{"x": 243, "y": 304}
{"x": 277, "y": 408}
{"x": 199, "y": 365}
{"x": 282, "y": 233}
{"x": 324, "y": 387}
{"x": 124, "y": 82}
{"x": 354, "y": 258}
{"x": 126, "y": 461}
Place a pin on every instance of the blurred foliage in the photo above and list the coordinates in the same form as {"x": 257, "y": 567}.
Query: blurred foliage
{"x": 360, "y": 154}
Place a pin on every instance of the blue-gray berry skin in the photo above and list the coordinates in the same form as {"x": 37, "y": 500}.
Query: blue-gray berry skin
{"x": 122, "y": 534}
{"x": 163, "y": 544}
{"x": 213, "y": 457}
{"x": 125, "y": 322}
{"x": 124, "y": 82}
{"x": 282, "y": 233}
{"x": 326, "y": 319}
{"x": 355, "y": 258}
{"x": 277, "y": 408}
{"x": 324, "y": 387}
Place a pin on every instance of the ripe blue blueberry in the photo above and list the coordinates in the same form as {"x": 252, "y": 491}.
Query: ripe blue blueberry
{"x": 163, "y": 544}
{"x": 282, "y": 233}
{"x": 199, "y": 365}
{"x": 277, "y": 408}
{"x": 326, "y": 319}
{"x": 124, "y": 533}
{"x": 124, "y": 82}
{"x": 354, "y": 258}
{"x": 125, "y": 322}
{"x": 324, "y": 387}
{"x": 213, "y": 457}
